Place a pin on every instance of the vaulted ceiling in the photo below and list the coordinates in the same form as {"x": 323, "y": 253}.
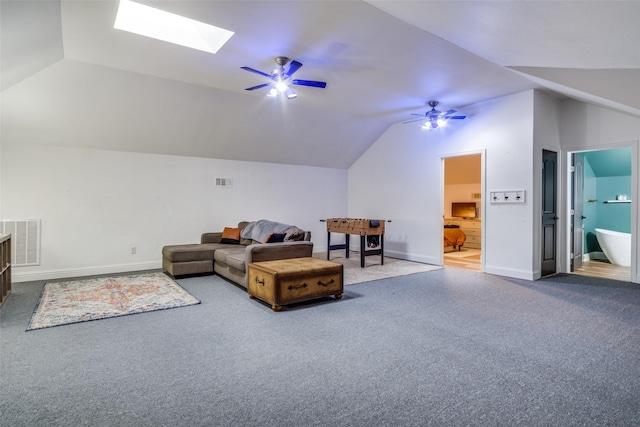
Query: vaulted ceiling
{"x": 69, "y": 78}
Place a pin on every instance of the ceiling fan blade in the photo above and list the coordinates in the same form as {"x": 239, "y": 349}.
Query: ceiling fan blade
{"x": 416, "y": 114}
{"x": 454, "y": 117}
{"x": 411, "y": 121}
{"x": 450, "y": 112}
{"x": 256, "y": 71}
{"x": 309, "y": 83}
{"x": 293, "y": 67}
{"x": 258, "y": 86}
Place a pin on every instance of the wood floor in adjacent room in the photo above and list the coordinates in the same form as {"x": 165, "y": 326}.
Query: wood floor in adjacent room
{"x": 468, "y": 259}
{"x": 604, "y": 269}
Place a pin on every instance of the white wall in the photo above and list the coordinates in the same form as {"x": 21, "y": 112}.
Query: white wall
{"x": 588, "y": 127}
{"x": 0, "y": 160}
{"x": 546, "y": 136}
{"x": 95, "y": 205}
{"x": 401, "y": 178}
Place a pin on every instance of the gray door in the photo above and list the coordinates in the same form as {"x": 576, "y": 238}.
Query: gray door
{"x": 577, "y": 190}
{"x": 549, "y": 216}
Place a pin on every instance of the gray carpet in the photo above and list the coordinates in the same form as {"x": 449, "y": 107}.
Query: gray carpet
{"x": 447, "y": 347}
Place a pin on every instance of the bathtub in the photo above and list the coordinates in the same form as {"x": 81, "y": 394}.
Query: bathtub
{"x": 615, "y": 245}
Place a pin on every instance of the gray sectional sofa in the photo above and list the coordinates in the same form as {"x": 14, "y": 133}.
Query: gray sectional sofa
{"x": 230, "y": 260}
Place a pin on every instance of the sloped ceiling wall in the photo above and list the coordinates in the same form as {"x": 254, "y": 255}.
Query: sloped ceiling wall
{"x": 62, "y": 62}
{"x": 91, "y": 106}
{"x": 116, "y": 90}
{"x": 24, "y": 52}
{"x": 584, "y": 49}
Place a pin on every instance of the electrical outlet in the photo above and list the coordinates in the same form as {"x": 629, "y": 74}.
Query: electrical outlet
{"x": 133, "y": 250}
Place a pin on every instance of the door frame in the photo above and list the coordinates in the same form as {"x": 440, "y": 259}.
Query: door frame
{"x": 558, "y": 259}
{"x": 483, "y": 204}
{"x": 635, "y": 194}
{"x": 576, "y": 209}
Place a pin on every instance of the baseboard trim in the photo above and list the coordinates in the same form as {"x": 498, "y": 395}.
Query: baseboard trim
{"x": 510, "y": 272}
{"x": 596, "y": 255}
{"x": 18, "y": 277}
{"x": 387, "y": 253}
{"x": 413, "y": 257}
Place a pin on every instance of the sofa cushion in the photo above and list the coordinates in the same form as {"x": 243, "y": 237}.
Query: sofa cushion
{"x": 191, "y": 252}
{"x": 273, "y": 251}
{"x": 234, "y": 257}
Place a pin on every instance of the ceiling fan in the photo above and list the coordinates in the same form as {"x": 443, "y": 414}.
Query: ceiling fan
{"x": 435, "y": 118}
{"x": 281, "y": 79}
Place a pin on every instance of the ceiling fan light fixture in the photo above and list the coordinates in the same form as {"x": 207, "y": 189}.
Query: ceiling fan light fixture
{"x": 429, "y": 125}
{"x": 281, "y": 79}
{"x": 281, "y": 86}
{"x": 291, "y": 93}
{"x": 435, "y": 118}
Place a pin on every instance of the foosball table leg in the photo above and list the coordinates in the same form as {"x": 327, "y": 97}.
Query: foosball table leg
{"x": 347, "y": 238}
{"x": 328, "y": 245}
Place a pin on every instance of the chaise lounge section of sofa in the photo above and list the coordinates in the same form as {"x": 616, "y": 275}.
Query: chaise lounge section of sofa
{"x": 218, "y": 253}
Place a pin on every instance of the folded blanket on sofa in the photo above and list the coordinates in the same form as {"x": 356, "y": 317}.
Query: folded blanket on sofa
{"x": 261, "y": 230}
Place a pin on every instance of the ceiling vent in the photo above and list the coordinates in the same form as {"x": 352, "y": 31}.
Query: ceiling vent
{"x": 224, "y": 182}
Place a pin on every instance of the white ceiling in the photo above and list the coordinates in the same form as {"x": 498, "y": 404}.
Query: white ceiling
{"x": 382, "y": 61}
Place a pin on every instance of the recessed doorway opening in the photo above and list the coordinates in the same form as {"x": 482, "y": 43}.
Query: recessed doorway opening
{"x": 600, "y": 199}
{"x": 462, "y": 212}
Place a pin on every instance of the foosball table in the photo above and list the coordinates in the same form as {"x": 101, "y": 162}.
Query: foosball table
{"x": 365, "y": 228}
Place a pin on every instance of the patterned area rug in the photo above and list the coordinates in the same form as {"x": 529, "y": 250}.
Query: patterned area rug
{"x": 63, "y": 303}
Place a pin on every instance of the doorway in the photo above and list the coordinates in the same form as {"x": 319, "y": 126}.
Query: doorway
{"x": 600, "y": 188}
{"x": 462, "y": 212}
{"x": 549, "y": 213}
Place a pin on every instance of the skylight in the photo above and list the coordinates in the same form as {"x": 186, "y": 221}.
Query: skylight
{"x": 158, "y": 24}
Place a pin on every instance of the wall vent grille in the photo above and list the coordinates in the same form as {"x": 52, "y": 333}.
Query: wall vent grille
{"x": 25, "y": 241}
{"x": 224, "y": 182}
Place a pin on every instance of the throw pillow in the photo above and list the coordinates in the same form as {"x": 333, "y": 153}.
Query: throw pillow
{"x": 275, "y": 238}
{"x": 230, "y": 235}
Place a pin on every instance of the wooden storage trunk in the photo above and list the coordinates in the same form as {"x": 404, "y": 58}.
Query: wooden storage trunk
{"x": 293, "y": 280}
{"x": 355, "y": 226}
